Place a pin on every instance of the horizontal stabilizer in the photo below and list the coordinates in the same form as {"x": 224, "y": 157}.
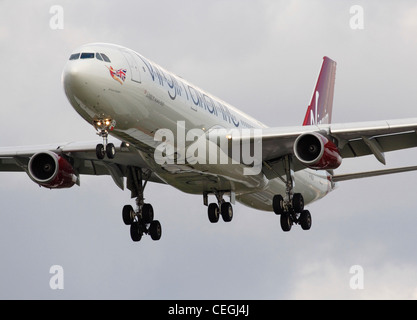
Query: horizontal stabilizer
{"x": 359, "y": 175}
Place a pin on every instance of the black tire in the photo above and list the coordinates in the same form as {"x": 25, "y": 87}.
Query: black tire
{"x": 227, "y": 211}
{"x": 136, "y": 231}
{"x": 127, "y": 215}
{"x": 147, "y": 213}
{"x": 305, "y": 220}
{"x": 298, "y": 203}
{"x": 155, "y": 230}
{"x": 110, "y": 151}
{"x": 100, "y": 153}
{"x": 286, "y": 222}
{"x": 278, "y": 204}
{"x": 213, "y": 212}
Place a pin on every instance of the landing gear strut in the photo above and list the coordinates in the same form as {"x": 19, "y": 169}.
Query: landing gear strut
{"x": 291, "y": 208}
{"x": 103, "y": 126}
{"x": 141, "y": 220}
{"x": 222, "y": 208}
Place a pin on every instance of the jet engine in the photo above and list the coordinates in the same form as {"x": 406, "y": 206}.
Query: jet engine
{"x": 51, "y": 171}
{"x": 317, "y": 152}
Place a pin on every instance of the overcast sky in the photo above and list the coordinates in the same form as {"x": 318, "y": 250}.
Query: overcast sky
{"x": 260, "y": 56}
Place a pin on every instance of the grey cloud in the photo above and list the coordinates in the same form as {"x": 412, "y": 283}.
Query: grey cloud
{"x": 263, "y": 57}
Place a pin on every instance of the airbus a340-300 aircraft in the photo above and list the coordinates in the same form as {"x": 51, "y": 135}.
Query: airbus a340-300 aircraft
{"x": 165, "y": 130}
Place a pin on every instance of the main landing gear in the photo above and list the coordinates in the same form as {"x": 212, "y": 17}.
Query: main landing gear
{"x": 141, "y": 221}
{"x": 222, "y": 208}
{"x": 292, "y": 212}
{"x": 103, "y": 126}
{"x": 291, "y": 208}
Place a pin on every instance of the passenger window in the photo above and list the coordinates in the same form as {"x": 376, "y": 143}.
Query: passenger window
{"x": 74, "y": 56}
{"x": 98, "y": 56}
{"x": 87, "y": 55}
{"x": 105, "y": 58}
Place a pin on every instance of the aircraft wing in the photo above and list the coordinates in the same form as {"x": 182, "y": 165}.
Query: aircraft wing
{"x": 353, "y": 140}
{"x": 83, "y": 156}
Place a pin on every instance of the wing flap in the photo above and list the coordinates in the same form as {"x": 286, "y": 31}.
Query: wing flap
{"x": 10, "y": 165}
{"x": 390, "y": 142}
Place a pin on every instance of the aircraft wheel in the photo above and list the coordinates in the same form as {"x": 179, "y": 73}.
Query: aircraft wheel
{"x": 155, "y": 230}
{"x": 213, "y": 212}
{"x": 298, "y": 202}
{"x": 278, "y": 204}
{"x": 147, "y": 213}
{"x": 286, "y": 222}
{"x": 305, "y": 220}
{"x": 227, "y": 211}
{"x": 100, "y": 153}
{"x": 110, "y": 151}
{"x": 128, "y": 214}
{"x": 136, "y": 231}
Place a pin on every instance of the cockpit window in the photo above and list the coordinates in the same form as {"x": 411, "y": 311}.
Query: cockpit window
{"x": 90, "y": 55}
{"x": 87, "y": 55}
{"x": 105, "y": 58}
{"x": 74, "y": 56}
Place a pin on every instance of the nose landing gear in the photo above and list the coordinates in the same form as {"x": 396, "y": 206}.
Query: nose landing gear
{"x": 103, "y": 126}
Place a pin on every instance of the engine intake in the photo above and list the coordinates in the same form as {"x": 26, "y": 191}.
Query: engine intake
{"x": 51, "y": 171}
{"x": 317, "y": 152}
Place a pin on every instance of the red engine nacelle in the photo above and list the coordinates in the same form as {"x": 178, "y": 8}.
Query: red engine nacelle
{"x": 51, "y": 171}
{"x": 317, "y": 152}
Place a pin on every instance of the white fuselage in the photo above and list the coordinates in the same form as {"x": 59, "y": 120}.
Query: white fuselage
{"x": 151, "y": 98}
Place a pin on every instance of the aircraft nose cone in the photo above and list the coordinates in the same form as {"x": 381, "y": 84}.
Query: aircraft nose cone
{"x": 73, "y": 76}
{"x": 80, "y": 80}
{"x": 81, "y": 88}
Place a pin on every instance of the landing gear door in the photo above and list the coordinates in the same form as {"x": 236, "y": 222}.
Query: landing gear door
{"x": 134, "y": 66}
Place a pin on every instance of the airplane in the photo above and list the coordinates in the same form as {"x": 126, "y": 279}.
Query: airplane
{"x": 136, "y": 107}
